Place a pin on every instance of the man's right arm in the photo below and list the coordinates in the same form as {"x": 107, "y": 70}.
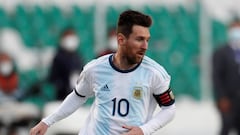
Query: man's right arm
{"x": 68, "y": 106}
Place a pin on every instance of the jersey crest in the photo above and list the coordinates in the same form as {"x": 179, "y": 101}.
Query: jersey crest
{"x": 137, "y": 92}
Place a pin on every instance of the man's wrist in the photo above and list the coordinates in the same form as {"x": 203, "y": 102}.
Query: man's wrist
{"x": 143, "y": 128}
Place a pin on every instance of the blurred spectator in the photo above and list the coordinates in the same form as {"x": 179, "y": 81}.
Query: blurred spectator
{"x": 11, "y": 43}
{"x": 13, "y": 112}
{"x": 67, "y": 64}
{"x": 112, "y": 42}
{"x": 226, "y": 80}
{"x": 8, "y": 76}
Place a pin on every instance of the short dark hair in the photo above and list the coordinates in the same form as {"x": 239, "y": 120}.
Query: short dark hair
{"x": 129, "y": 18}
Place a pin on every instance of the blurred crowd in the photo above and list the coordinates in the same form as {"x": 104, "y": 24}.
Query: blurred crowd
{"x": 23, "y": 97}
{"x": 22, "y": 106}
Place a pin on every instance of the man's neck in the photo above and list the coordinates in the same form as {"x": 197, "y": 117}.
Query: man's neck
{"x": 121, "y": 62}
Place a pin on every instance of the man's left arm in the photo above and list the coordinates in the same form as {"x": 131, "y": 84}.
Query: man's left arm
{"x": 167, "y": 103}
{"x": 159, "y": 120}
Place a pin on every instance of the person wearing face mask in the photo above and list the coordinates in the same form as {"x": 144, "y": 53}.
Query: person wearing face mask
{"x": 13, "y": 112}
{"x": 8, "y": 77}
{"x": 111, "y": 44}
{"x": 226, "y": 80}
{"x": 67, "y": 64}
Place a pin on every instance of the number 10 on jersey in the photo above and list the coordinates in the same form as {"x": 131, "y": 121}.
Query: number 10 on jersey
{"x": 117, "y": 107}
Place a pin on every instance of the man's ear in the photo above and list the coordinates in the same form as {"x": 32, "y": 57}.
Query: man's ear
{"x": 121, "y": 38}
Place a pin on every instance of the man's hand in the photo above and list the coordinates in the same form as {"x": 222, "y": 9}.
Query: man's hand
{"x": 133, "y": 130}
{"x": 39, "y": 129}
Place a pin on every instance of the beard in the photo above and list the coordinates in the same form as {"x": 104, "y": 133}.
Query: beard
{"x": 134, "y": 58}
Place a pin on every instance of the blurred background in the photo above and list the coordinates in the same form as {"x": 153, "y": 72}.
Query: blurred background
{"x": 183, "y": 37}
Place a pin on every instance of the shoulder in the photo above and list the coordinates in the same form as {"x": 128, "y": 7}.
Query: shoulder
{"x": 95, "y": 63}
{"x": 222, "y": 50}
{"x": 154, "y": 67}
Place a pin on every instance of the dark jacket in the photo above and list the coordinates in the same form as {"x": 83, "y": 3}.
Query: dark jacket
{"x": 226, "y": 74}
{"x": 64, "y": 64}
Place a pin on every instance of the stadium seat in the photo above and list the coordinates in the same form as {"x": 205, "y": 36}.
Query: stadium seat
{"x": 37, "y": 90}
{"x": 219, "y": 33}
{"x": 175, "y": 45}
{"x": 82, "y": 18}
{"x": 56, "y": 20}
{"x": 26, "y": 35}
{"x": 4, "y": 18}
{"x": 83, "y": 21}
{"x": 20, "y": 21}
{"x": 39, "y": 26}
{"x": 38, "y": 19}
{"x": 21, "y": 17}
{"x": 112, "y": 14}
{"x": 28, "y": 78}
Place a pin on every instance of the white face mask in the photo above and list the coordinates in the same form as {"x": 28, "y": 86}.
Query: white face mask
{"x": 70, "y": 43}
{"x": 6, "y": 68}
{"x": 234, "y": 37}
{"x": 112, "y": 43}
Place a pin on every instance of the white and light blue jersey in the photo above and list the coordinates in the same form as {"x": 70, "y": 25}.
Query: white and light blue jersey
{"x": 122, "y": 97}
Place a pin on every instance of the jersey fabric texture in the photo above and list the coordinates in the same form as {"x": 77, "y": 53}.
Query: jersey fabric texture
{"x": 122, "y": 97}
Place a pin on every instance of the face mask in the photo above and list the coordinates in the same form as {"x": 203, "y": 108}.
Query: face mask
{"x": 6, "y": 68}
{"x": 234, "y": 37}
{"x": 70, "y": 43}
{"x": 112, "y": 43}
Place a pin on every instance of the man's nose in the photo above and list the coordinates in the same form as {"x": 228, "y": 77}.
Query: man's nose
{"x": 145, "y": 45}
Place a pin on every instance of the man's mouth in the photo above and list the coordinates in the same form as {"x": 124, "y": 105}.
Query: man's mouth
{"x": 141, "y": 53}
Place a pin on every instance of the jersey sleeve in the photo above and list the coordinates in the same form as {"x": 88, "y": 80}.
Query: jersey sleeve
{"x": 161, "y": 81}
{"x": 161, "y": 88}
{"x": 83, "y": 87}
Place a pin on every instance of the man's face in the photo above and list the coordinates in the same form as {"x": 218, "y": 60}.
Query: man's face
{"x": 136, "y": 44}
{"x": 234, "y": 36}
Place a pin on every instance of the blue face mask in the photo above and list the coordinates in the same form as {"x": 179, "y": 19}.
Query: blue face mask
{"x": 234, "y": 37}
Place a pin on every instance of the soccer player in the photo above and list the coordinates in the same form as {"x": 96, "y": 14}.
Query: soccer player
{"x": 127, "y": 86}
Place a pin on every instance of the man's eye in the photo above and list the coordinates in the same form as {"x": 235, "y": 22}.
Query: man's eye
{"x": 139, "y": 39}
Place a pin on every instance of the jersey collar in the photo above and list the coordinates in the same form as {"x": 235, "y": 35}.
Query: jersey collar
{"x": 119, "y": 70}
